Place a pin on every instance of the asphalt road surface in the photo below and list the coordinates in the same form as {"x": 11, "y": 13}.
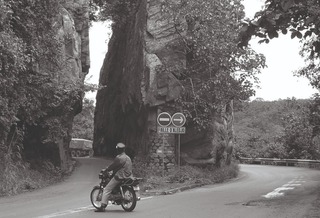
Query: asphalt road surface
{"x": 260, "y": 191}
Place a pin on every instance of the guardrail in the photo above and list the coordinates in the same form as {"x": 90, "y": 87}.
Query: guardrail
{"x": 282, "y": 162}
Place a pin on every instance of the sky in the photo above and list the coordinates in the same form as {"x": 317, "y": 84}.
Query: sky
{"x": 99, "y": 34}
{"x": 276, "y": 81}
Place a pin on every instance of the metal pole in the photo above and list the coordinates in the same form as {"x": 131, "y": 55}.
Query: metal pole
{"x": 163, "y": 169}
{"x": 178, "y": 151}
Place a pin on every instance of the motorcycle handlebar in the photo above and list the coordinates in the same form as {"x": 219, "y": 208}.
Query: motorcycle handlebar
{"x": 105, "y": 174}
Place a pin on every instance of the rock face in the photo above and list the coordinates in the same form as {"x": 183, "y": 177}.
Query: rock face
{"x": 72, "y": 25}
{"x": 136, "y": 83}
{"x": 212, "y": 146}
{"x": 139, "y": 79}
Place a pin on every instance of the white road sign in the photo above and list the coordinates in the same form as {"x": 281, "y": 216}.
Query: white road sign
{"x": 178, "y": 119}
{"x": 172, "y": 130}
{"x": 164, "y": 119}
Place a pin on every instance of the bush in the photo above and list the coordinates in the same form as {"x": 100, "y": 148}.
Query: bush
{"x": 185, "y": 175}
{"x": 21, "y": 177}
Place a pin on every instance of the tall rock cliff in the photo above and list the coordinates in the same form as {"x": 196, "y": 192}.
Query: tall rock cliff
{"x": 140, "y": 79}
{"x": 49, "y": 138}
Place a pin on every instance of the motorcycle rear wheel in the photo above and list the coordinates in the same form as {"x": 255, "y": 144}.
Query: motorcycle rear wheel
{"x": 96, "y": 196}
{"x": 130, "y": 199}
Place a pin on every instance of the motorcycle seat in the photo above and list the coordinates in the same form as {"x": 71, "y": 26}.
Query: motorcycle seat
{"x": 131, "y": 181}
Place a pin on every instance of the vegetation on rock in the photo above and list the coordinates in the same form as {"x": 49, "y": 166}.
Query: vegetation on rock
{"x": 217, "y": 70}
{"x": 32, "y": 102}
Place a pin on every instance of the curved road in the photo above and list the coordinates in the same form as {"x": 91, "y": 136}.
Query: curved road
{"x": 260, "y": 191}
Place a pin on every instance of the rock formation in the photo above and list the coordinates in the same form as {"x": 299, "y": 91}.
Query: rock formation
{"x": 72, "y": 25}
{"x": 139, "y": 79}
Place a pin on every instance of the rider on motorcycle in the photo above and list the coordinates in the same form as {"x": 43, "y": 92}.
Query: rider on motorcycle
{"x": 122, "y": 169}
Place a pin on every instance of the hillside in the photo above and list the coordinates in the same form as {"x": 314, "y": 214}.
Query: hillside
{"x": 275, "y": 129}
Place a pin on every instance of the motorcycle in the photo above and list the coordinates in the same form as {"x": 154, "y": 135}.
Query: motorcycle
{"x": 125, "y": 194}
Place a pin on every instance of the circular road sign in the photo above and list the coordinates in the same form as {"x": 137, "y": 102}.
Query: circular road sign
{"x": 178, "y": 119}
{"x": 164, "y": 119}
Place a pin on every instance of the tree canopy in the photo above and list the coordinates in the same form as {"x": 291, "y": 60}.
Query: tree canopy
{"x": 300, "y": 19}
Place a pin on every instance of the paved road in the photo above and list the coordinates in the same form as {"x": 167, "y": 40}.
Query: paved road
{"x": 261, "y": 191}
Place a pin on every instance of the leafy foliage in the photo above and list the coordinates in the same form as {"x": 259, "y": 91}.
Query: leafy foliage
{"x": 300, "y": 18}
{"x": 29, "y": 91}
{"x": 314, "y": 117}
{"x": 26, "y": 40}
{"x": 217, "y": 70}
{"x": 116, "y": 10}
{"x": 297, "y": 137}
{"x": 83, "y": 122}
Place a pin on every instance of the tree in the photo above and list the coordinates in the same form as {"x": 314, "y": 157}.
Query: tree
{"x": 217, "y": 71}
{"x": 314, "y": 120}
{"x": 314, "y": 117}
{"x": 300, "y": 18}
{"x": 26, "y": 36}
{"x": 83, "y": 122}
{"x": 297, "y": 137}
{"x": 118, "y": 11}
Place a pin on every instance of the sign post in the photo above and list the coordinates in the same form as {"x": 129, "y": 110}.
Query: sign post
{"x": 164, "y": 119}
{"x": 177, "y": 120}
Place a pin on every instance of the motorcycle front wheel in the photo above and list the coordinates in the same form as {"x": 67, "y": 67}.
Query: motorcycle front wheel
{"x": 96, "y": 196}
{"x": 130, "y": 200}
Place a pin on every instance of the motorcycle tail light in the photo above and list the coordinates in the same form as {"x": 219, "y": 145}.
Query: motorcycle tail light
{"x": 137, "y": 191}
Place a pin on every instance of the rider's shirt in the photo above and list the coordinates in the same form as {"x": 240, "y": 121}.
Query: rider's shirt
{"x": 122, "y": 166}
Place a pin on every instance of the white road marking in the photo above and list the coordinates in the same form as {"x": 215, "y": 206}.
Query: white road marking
{"x": 67, "y": 212}
{"x": 278, "y": 192}
{"x": 77, "y": 210}
{"x": 293, "y": 184}
{"x": 146, "y": 198}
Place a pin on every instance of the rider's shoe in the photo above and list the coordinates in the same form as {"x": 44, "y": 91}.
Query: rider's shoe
{"x": 101, "y": 209}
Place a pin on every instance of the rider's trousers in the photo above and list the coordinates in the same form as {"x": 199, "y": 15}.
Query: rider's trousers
{"x": 108, "y": 189}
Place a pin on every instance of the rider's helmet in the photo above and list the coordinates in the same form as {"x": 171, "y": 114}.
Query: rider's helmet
{"x": 120, "y": 148}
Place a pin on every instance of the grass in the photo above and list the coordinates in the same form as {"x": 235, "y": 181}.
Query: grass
{"x": 155, "y": 179}
{"x": 18, "y": 177}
